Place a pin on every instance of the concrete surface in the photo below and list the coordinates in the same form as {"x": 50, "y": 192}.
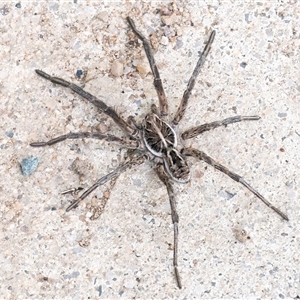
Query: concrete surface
{"x": 253, "y": 68}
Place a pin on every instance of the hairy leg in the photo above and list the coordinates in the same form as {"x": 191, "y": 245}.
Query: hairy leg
{"x": 99, "y": 209}
{"x": 192, "y": 132}
{"x": 186, "y": 95}
{"x": 163, "y": 104}
{"x": 163, "y": 176}
{"x": 132, "y": 144}
{"x": 98, "y": 103}
{"x": 134, "y": 160}
{"x": 203, "y": 156}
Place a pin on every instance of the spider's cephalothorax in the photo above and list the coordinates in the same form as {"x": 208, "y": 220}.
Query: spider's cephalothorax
{"x": 158, "y": 135}
{"x": 155, "y": 139}
{"x": 161, "y": 140}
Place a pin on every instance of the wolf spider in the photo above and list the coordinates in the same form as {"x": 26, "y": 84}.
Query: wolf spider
{"x": 155, "y": 138}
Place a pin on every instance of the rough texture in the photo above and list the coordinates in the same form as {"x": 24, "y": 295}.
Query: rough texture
{"x": 253, "y": 68}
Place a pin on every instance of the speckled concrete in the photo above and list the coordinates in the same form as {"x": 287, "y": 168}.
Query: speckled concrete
{"x": 231, "y": 245}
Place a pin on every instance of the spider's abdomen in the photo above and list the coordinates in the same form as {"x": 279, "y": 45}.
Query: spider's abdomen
{"x": 176, "y": 166}
{"x": 160, "y": 139}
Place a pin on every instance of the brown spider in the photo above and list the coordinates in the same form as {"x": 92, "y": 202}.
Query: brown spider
{"x": 155, "y": 139}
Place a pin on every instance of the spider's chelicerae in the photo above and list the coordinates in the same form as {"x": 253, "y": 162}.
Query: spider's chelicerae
{"x": 155, "y": 138}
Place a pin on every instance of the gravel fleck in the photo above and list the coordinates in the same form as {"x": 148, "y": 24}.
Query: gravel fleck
{"x": 29, "y": 165}
{"x": 117, "y": 69}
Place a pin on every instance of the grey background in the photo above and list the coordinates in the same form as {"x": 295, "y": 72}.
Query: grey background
{"x": 253, "y": 68}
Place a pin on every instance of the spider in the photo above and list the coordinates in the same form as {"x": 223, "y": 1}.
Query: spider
{"x": 155, "y": 139}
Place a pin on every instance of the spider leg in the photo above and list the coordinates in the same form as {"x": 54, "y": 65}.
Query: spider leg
{"x": 186, "y": 95}
{"x": 192, "y": 132}
{"x": 175, "y": 219}
{"x": 203, "y": 156}
{"x": 97, "y": 211}
{"x": 134, "y": 160}
{"x": 98, "y": 103}
{"x": 154, "y": 109}
{"x": 163, "y": 104}
{"x": 131, "y": 121}
{"x": 132, "y": 144}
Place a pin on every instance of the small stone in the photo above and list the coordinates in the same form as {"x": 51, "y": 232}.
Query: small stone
{"x": 282, "y": 115}
{"x": 243, "y": 65}
{"x": 169, "y": 20}
{"x": 103, "y": 16}
{"x": 179, "y": 44}
{"x": 100, "y": 290}
{"x": 164, "y": 40}
{"x": 10, "y": 134}
{"x": 143, "y": 68}
{"x": 240, "y": 234}
{"x": 29, "y": 165}
{"x": 269, "y": 32}
{"x": 102, "y": 127}
{"x": 117, "y": 69}
{"x": 79, "y": 73}
{"x": 129, "y": 284}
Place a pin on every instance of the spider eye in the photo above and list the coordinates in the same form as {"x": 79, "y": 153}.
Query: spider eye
{"x": 176, "y": 166}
